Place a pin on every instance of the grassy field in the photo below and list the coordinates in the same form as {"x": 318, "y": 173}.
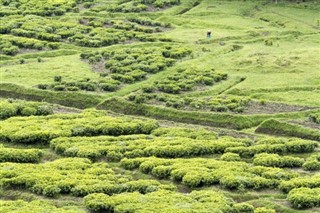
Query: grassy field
{"x": 178, "y": 122}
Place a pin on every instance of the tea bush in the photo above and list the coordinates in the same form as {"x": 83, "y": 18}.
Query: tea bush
{"x": 20, "y": 155}
{"x": 304, "y": 197}
{"x": 198, "y": 172}
{"x": 275, "y": 160}
{"x": 75, "y": 176}
{"x": 90, "y": 123}
{"x": 9, "y": 108}
{"x": 196, "y": 201}
{"x": 140, "y": 146}
{"x": 36, "y": 206}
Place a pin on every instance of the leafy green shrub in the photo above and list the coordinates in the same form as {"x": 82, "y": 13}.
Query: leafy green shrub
{"x": 75, "y": 176}
{"x": 283, "y": 128}
{"x": 228, "y": 156}
{"x": 27, "y": 111}
{"x": 274, "y": 160}
{"x": 36, "y": 206}
{"x": 196, "y": 201}
{"x": 304, "y": 197}
{"x": 89, "y": 123}
{"x": 298, "y": 182}
{"x": 20, "y": 155}
{"x": 264, "y": 210}
{"x": 312, "y": 163}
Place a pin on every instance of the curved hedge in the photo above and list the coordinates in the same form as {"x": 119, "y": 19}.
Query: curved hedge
{"x": 89, "y": 123}
{"x": 197, "y": 172}
{"x": 10, "y": 108}
{"x": 276, "y": 127}
{"x": 163, "y": 201}
{"x": 36, "y": 206}
{"x": 304, "y": 197}
{"x": 20, "y": 155}
{"x": 75, "y": 176}
{"x": 115, "y": 148}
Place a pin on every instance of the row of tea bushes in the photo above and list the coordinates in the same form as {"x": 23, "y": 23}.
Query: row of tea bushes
{"x": 188, "y": 79}
{"x": 38, "y": 7}
{"x": 199, "y": 134}
{"x": 308, "y": 181}
{"x": 165, "y": 201}
{"x": 19, "y": 155}
{"x": 312, "y": 163}
{"x": 102, "y": 85}
{"x": 36, "y": 206}
{"x": 283, "y": 128}
{"x": 216, "y": 104}
{"x": 89, "y": 123}
{"x": 200, "y": 171}
{"x": 10, "y": 108}
{"x": 304, "y": 197}
{"x": 41, "y": 33}
{"x": 116, "y": 148}
{"x": 136, "y": 6}
{"x": 275, "y": 160}
{"x": 292, "y": 145}
{"x": 75, "y": 176}
{"x": 128, "y": 65}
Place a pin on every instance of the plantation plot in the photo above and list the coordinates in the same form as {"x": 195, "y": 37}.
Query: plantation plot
{"x": 167, "y": 201}
{"x": 75, "y": 176}
{"x": 42, "y": 129}
{"x": 116, "y": 148}
{"x": 36, "y": 206}
{"x": 22, "y": 108}
{"x": 198, "y": 172}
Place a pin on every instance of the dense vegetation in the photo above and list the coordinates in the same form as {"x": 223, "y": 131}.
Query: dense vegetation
{"x": 159, "y": 106}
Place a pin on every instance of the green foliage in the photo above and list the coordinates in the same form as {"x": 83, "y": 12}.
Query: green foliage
{"x": 198, "y": 172}
{"x": 211, "y": 119}
{"x": 312, "y": 163}
{"x": 129, "y": 65}
{"x": 9, "y": 108}
{"x": 304, "y": 197}
{"x": 167, "y": 201}
{"x": 264, "y": 210}
{"x": 228, "y": 156}
{"x": 36, "y": 206}
{"x": 276, "y": 146}
{"x": 217, "y": 104}
{"x": 315, "y": 118}
{"x": 20, "y": 155}
{"x": 89, "y": 123}
{"x": 309, "y": 182}
{"x": 73, "y": 99}
{"x": 188, "y": 79}
{"x": 75, "y": 176}
{"x": 274, "y": 160}
{"x": 114, "y": 148}
{"x": 130, "y": 6}
{"x": 199, "y": 134}
{"x": 276, "y": 127}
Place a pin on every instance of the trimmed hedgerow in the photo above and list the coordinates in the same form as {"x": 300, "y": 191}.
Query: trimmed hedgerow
{"x": 276, "y": 127}
{"x": 115, "y": 148}
{"x": 89, "y": 123}
{"x": 198, "y": 172}
{"x": 75, "y": 176}
{"x": 9, "y": 108}
{"x": 308, "y": 181}
{"x": 165, "y": 201}
{"x": 304, "y": 197}
{"x": 20, "y": 155}
{"x": 312, "y": 163}
{"x": 36, "y": 206}
{"x": 275, "y": 160}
